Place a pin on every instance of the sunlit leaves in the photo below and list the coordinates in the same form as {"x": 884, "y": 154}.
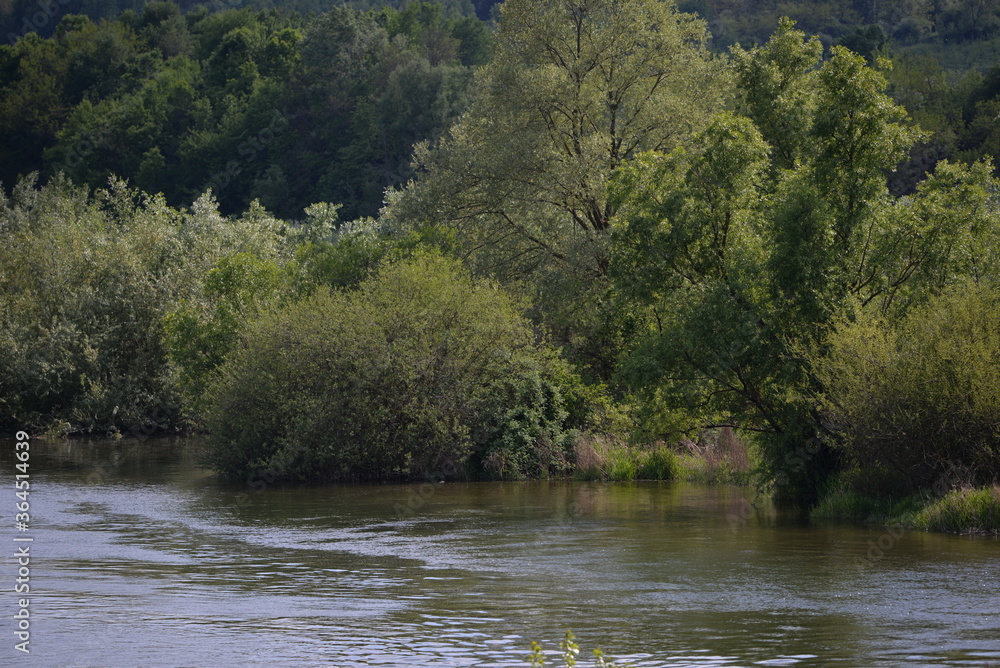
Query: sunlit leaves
{"x": 85, "y": 288}
{"x": 776, "y": 86}
{"x": 914, "y": 398}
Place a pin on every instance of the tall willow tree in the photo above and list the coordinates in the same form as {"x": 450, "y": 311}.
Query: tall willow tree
{"x": 747, "y": 246}
{"x": 575, "y": 89}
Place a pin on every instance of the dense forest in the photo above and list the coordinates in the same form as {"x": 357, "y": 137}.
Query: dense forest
{"x": 290, "y": 106}
{"x": 381, "y": 242}
{"x": 254, "y": 105}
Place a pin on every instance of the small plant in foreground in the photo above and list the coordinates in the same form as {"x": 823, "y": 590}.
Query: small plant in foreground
{"x": 570, "y": 650}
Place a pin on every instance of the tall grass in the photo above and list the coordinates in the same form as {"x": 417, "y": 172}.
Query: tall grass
{"x": 968, "y": 510}
{"x": 963, "y": 511}
{"x": 844, "y": 503}
{"x": 718, "y": 457}
{"x": 604, "y": 458}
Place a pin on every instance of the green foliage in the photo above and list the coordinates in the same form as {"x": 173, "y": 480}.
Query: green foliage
{"x": 254, "y": 105}
{"x": 396, "y": 378}
{"x": 528, "y": 178}
{"x": 574, "y": 89}
{"x": 439, "y": 38}
{"x": 868, "y": 41}
{"x": 317, "y": 252}
{"x": 932, "y": 25}
{"x": 603, "y": 458}
{"x": 918, "y": 398}
{"x": 718, "y": 457}
{"x": 520, "y": 432}
{"x": 776, "y": 88}
{"x": 622, "y": 465}
{"x": 85, "y": 286}
{"x": 570, "y": 650}
{"x": 963, "y": 511}
{"x": 747, "y": 246}
{"x": 657, "y": 464}
{"x": 850, "y": 498}
{"x": 200, "y": 335}
{"x": 724, "y": 268}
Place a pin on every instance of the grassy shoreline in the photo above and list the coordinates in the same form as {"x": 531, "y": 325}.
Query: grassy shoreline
{"x": 719, "y": 457}
{"x": 967, "y": 511}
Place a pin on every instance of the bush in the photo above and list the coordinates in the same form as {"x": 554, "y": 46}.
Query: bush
{"x": 520, "y": 428}
{"x": 844, "y": 502}
{"x": 319, "y": 251}
{"x": 85, "y": 284}
{"x": 413, "y": 371}
{"x": 913, "y": 401}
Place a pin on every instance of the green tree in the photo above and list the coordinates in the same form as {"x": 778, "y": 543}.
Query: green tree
{"x": 85, "y": 285}
{"x": 913, "y": 400}
{"x": 746, "y": 251}
{"x": 31, "y": 104}
{"x": 574, "y": 89}
{"x": 358, "y": 105}
{"x": 776, "y": 87}
{"x": 201, "y": 333}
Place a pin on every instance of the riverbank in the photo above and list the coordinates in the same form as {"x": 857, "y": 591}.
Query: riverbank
{"x": 969, "y": 510}
{"x": 418, "y": 574}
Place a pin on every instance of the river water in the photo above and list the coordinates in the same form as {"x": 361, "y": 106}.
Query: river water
{"x": 141, "y": 558}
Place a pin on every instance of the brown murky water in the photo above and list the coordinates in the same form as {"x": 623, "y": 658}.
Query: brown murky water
{"x": 141, "y": 558}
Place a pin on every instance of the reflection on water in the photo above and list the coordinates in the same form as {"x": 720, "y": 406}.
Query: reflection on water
{"x": 143, "y": 559}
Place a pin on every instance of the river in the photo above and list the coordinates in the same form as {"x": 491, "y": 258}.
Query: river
{"x": 140, "y": 557}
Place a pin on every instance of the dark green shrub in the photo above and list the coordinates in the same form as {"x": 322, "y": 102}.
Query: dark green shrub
{"x": 521, "y": 426}
{"x": 396, "y": 378}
